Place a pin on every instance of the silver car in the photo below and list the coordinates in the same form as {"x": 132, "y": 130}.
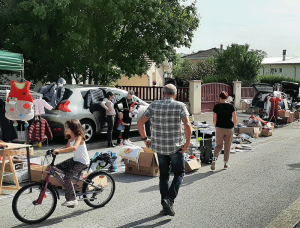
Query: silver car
{"x": 72, "y": 107}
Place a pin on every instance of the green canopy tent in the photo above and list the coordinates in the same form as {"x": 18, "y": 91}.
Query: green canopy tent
{"x": 12, "y": 62}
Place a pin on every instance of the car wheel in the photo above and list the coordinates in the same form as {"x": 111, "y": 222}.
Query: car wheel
{"x": 88, "y": 129}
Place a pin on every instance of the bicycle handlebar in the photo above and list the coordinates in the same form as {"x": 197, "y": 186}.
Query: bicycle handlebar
{"x": 50, "y": 152}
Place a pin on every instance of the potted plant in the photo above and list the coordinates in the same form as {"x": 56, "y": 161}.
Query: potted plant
{"x": 154, "y": 82}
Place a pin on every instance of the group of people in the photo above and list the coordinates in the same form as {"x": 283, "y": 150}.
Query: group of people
{"x": 124, "y": 118}
{"x": 170, "y": 138}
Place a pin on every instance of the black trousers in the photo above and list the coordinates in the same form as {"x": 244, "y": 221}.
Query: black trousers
{"x": 119, "y": 133}
{"x": 126, "y": 119}
{"x": 110, "y": 125}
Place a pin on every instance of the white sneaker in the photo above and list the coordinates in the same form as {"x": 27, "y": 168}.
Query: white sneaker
{"x": 70, "y": 203}
{"x": 126, "y": 143}
{"x": 129, "y": 141}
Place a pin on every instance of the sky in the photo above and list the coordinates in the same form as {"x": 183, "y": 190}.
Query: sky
{"x": 268, "y": 25}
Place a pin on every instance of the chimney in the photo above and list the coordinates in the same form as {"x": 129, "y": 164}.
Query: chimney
{"x": 283, "y": 55}
{"x": 221, "y": 47}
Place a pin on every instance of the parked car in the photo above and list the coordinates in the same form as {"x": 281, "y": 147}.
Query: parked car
{"x": 291, "y": 89}
{"x": 72, "y": 107}
{"x": 261, "y": 88}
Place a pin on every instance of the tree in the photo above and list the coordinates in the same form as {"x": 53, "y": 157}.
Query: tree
{"x": 94, "y": 39}
{"x": 186, "y": 70}
{"x": 238, "y": 60}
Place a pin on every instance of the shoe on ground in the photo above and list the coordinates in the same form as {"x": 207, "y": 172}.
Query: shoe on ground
{"x": 120, "y": 144}
{"x": 70, "y": 203}
{"x": 226, "y": 166}
{"x": 163, "y": 212}
{"x": 129, "y": 141}
{"x": 126, "y": 143}
{"x": 168, "y": 207}
{"x": 213, "y": 165}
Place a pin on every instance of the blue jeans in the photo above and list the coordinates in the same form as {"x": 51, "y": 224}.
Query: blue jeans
{"x": 178, "y": 167}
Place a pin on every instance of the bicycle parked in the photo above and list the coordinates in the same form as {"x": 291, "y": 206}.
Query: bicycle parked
{"x": 36, "y": 202}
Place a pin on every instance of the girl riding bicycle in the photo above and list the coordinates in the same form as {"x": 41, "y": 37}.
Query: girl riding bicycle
{"x": 73, "y": 166}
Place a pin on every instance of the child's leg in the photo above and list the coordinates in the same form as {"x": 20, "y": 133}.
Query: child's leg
{"x": 119, "y": 136}
{"x": 75, "y": 168}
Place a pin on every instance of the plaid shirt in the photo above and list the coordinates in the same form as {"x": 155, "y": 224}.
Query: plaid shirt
{"x": 167, "y": 134}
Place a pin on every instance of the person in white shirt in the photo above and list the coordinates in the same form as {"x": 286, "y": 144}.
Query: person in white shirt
{"x": 110, "y": 116}
{"x": 73, "y": 166}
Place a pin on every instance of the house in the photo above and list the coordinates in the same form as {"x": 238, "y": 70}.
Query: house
{"x": 155, "y": 75}
{"x": 203, "y": 54}
{"x": 287, "y": 66}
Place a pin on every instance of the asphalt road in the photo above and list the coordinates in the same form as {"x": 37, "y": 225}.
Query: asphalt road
{"x": 260, "y": 189}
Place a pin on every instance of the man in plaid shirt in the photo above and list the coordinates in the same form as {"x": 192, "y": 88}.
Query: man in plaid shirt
{"x": 168, "y": 141}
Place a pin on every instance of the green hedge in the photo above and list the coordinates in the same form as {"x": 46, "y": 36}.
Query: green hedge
{"x": 272, "y": 79}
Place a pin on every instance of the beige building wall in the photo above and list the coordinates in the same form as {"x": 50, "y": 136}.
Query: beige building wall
{"x": 153, "y": 74}
{"x": 134, "y": 81}
{"x": 287, "y": 70}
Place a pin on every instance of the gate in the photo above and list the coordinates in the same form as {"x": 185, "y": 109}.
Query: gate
{"x": 148, "y": 93}
{"x": 210, "y": 95}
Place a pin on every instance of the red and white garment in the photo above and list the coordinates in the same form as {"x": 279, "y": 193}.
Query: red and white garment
{"x": 19, "y": 104}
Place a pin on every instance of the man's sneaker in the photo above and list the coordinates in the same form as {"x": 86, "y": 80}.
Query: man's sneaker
{"x": 213, "y": 165}
{"x": 70, "y": 203}
{"x": 120, "y": 144}
{"x": 126, "y": 143}
{"x": 163, "y": 212}
{"x": 226, "y": 166}
{"x": 129, "y": 141}
{"x": 168, "y": 207}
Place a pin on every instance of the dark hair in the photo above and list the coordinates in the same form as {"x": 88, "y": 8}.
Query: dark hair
{"x": 223, "y": 95}
{"x": 76, "y": 127}
{"x": 109, "y": 94}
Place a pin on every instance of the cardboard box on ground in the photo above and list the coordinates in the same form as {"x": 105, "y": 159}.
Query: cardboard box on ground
{"x": 192, "y": 165}
{"x": 297, "y": 115}
{"x": 266, "y": 133}
{"x": 253, "y": 132}
{"x": 149, "y": 166}
{"x": 284, "y": 113}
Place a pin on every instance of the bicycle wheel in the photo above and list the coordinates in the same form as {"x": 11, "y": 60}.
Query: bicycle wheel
{"x": 24, "y": 204}
{"x": 102, "y": 194}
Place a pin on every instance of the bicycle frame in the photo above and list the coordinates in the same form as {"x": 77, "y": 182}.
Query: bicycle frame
{"x": 54, "y": 172}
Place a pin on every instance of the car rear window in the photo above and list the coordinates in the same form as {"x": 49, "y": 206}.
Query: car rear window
{"x": 67, "y": 94}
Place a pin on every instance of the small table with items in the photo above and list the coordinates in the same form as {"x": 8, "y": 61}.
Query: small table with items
{"x": 11, "y": 150}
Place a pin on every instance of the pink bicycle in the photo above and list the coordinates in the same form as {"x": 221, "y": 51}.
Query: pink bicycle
{"x": 36, "y": 202}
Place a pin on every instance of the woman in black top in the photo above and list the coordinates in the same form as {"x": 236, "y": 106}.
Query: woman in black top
{"x": 126, "y": 102}
{"x": 224, "y": 120}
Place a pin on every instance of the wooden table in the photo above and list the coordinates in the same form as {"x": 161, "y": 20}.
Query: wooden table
{"x": 7, "y": 152}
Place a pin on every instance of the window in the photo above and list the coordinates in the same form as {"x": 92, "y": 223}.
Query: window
{"x": 272, "y": 71}
{"x": 275, "y": 70}
{"x": 280, "y": 70}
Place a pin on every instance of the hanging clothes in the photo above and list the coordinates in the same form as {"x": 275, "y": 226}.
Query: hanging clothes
{"x": 19, "y": 104}
{"x": 39, "y": 107}
{"x": 38, "y": 129}
{"x": 274, "y": 108}
{"x": 9, "y": 133}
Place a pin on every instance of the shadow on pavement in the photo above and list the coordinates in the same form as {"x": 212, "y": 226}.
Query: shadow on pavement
{"x": 56, "y": 220}
{"x": 294, "y": 166}
{"x": 129, "y": 178}
{"x": 187, "y": 180}
{"x": 144, "y": 220}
